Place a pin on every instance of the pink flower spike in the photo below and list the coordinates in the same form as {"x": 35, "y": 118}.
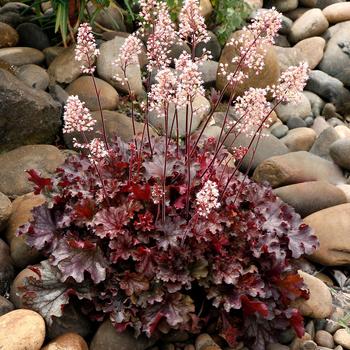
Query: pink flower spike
{"x": 251, "y": 46}
{"x": 163, "y": 91}
{"x": 252, "y": 110}
{"x": 291, "y": 84}
{"x": 97, "y": 150}
{"x": 192, "y": 26}
{"x": 76, "y": 116}
{"x": 207, "y": 199}
{"x": 86, "y": 50}
{"x": 190, "y": 81}
{"x": 160, "y": 41}
{"x": 128, "y": 55}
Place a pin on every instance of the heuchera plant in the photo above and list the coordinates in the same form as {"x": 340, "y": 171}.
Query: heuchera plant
{"x": 165, "y": 233}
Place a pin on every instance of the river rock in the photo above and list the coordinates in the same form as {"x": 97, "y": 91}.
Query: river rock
{"x": 85, "y": 89}
{"x": 323, "y": 143}
{"x": 21, "y": 254}
{"x": 34, "y": 76}
{"x": 8, "y": 36}
{"x": 5, "y": 306}
{"x": 31, "y": 35}
{"x": 110, "y": 17}
{"x": 117, "y": 124}
{"x": 325, "y": 339}
{"x": 212, "y": 45}
{"x": 5, "y": 210}
{"x": 336, "y": 59}
{"x": 319, "y": 125}
{"x": 67, "y": 341}
{"x": 51, "y": 53}
{"x": 209, "y": 70}
{"x": 279, "y": 130}
{"x": 295, "y": 14}
{"x": 333, "y": 235}
{"x": 311, "y": 23}
{"x": 296, "y": 167}
{"x": 268, "y": 76}
{"x": 109, "y": 53}
{"x": 300, "y": 139}
{"x": 205, "y": 341}
{"x": 107, "y": 338}
{"x": 343, "y": 131}
{"x": 27, "y": 116}
{"x": 329, "y": 88}
{"x": 283, "y": 5}
{"x": 296, "y": 122}
{"x": 64, "y": 68}
{"x": 71, "y": 321}
{"x": 18, "y": 56}
{"x": 300, "y": 109}
{"x": 340, "y": 153}
{"x": 309, "y": 197}
{"x": 13, "y": 178}
{"x": 342, "y": 337}
{"x": 201, "y": 107}
{"x": 338, "y": 12}
{"x": 316, "y": 103}
{"x": 319, "y": 304}
{"x": 16, "y": 292}
{"x": 22, "y": 329}
{"x": 206, "y": 8}
{"x": 309, "y": 50}
{"x": 7, "y": 272}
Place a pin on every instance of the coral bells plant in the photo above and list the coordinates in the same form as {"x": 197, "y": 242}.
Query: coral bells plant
{"x": 166, "y": 233}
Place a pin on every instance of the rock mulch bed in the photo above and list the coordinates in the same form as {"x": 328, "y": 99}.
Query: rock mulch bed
{"x": 306, "y": 159}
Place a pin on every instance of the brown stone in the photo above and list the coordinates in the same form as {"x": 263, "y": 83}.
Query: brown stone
{"x": 338, "y": 12}
{"x": 297, "y": 167}
{"x": 13, "y": 177}
{"x": 17, "y": 287}
{"x": 21, "y": 330}
{"x": 299, "y": 139}
{"x": 309, "y": 197}
{"x": 117, "y": 124}
{"x": 68, "y": 341}
{"x": 107, "y": 338}
{"x": 84, "y": 87}
{"x": 8, "y": 36}
{"x": 319, "y": 304}
{"x": 332, "y": 227}
{"x": 311, "y": 23}
{"x": 21, "y": 254}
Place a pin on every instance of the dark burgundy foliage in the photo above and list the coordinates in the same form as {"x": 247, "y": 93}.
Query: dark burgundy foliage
{"x": 233, "y": 269}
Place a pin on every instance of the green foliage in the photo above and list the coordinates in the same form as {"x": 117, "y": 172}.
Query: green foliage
{"x": 229, "y": 15}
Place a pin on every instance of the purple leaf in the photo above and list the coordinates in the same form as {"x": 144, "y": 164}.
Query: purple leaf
{"x": 73, "y": 258}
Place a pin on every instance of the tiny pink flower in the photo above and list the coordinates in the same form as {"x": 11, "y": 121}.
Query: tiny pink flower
{"x": 192, "y": 26}
{"x": 128, "y": 55}
{"x": 163, "y": 91}
{"x": 86, "y": 50}
{"x": 252, "y": 111}
{"x": 207, "y": 199}
{"x": 97, "y": 150}
{"x": 76, "y": 116}
{"x": 148, "y": 12}
{"x": 160, "y": 40}
{"x": 291, "y": 84}
{"x": 190, "y": 82}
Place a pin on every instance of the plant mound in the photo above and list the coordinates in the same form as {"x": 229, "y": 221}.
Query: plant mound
{"x": 108, "y": 247}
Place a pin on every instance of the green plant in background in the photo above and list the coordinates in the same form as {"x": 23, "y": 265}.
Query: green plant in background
{"x": 229, "y": 15}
